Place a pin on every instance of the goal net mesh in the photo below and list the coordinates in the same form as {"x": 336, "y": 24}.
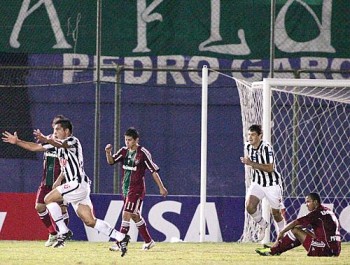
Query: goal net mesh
{"x": 310, "y": 131}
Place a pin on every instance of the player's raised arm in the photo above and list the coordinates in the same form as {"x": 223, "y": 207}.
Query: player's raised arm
{"x": 109, "y": 157}
{"x": 50, "y": 140}
{"x": 13, "y": 139}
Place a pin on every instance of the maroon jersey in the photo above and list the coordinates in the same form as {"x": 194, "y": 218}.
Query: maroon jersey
{"x": 134, "y": 165}
{"x": 325, "y": 226}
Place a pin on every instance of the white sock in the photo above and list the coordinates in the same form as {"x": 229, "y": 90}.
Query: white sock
{"x": 56, "y": 214}
{"x": 105, "y": 228}
{"x": 141, "y": 222}
{"x": 257, "y": 217}
{"x": 280, "y": 225}
{"x": 291, "y": 235}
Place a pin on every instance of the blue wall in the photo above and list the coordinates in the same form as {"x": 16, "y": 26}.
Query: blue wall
{"x": 167, "y": 116}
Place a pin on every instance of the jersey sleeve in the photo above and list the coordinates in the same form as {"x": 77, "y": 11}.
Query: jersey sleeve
{"x": 152, "y": 167}
{"x": 269, "y": 154}
{"x": 48, "y": 147}
{"x": 71, "y": 142}
{"x": 118, "y": 156}
{"x": 308, "y": 219}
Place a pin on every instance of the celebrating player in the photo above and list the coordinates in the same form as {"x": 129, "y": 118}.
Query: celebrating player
{"x": 51, "y": 171}
{"x": 266, "y": 181}
{"x": 135, "y": 159}
{"x": 76, "y": 189}
{"x": 325, "y": 240}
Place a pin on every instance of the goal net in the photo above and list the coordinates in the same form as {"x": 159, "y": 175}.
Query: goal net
{"x": 308, "y": 124}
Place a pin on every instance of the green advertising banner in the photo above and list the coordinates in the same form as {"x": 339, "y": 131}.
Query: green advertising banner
{"x": 216, "y": 28}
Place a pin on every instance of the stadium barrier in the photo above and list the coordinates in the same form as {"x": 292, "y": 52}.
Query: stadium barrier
{"x": 174, "y": 219}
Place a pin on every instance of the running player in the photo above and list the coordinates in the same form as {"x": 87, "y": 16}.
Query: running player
{"x": 266, "y": 180}
{"x": 134, "y": 160}
{"x": 76, "y": 189}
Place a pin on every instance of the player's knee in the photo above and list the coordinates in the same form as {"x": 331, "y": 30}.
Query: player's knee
{"x": 136, "y": 218}
{"x": 47, "y": 200}
{"x": 277, "y": 215}
{"x": 296, "y": 230}
{"x": 251, "y": 209}
{"x": 40, "y": 208}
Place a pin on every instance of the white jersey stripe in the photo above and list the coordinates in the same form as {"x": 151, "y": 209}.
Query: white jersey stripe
{"x": 263, "y": 155}
{"x": 72, "y": 159}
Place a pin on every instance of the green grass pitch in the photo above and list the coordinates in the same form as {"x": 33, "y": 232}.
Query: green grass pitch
{"x": 82, "y": 252}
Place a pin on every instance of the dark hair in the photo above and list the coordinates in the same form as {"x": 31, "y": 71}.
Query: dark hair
{"x": 58, "y": 117}
{"x": 315, "y": 197}
{"x": 255, "y": 128}
{"x": 65, "y": 124}
{"x": 132, "y": 132}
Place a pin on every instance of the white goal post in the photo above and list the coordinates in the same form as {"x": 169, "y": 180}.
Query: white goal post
{"x": 307, "y": 122}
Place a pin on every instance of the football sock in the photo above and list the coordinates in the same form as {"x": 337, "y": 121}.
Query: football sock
{"x": 56, "y": 214}
{"x": 124, "y": 228}
{"x": 288, "y": 242}
{"x": 141, "y": 225}
{"x": 105, "y": 228}
{"x": 66, "y": 218}
{"x": 257, "y": 217}
{"x": 48, "y": 222}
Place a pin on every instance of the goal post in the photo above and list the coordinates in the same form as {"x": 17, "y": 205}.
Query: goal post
{"x": 204, "y": 125}
{"x": 307, "y": 122}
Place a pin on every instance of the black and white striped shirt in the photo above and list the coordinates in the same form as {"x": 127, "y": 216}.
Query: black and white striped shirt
{"x": 71, "y": 160}
{"x": 263, "y": 155}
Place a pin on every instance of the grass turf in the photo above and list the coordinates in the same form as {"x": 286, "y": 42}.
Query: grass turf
{"x": 82, "y": 252}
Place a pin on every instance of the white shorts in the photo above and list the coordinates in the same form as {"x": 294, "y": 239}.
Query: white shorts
{"x": 75, "y": 193}
{"x": 273, "y": 194}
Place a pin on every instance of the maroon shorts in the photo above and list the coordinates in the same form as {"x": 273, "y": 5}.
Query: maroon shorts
{"x": 41, "y": 193}
{"x": 319, "y": 248}
{"x": 132, "y": 203}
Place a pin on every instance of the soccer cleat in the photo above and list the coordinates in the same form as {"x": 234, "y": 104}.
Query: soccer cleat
{"x": 124, "y": 245}
{"x": 62, "y": 238}
{"x": 149, "y": 245}
{"x": 51, "y": 240}
{"x": 115, "y": 247}
{"x": 264, "y": 251}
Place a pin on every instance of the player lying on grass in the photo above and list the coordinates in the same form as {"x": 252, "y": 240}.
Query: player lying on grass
{"x": 324, "y": 239}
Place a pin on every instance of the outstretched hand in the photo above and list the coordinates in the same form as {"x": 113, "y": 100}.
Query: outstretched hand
{"x": 10, "y": 138}
{"x": 39, "y": 136}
